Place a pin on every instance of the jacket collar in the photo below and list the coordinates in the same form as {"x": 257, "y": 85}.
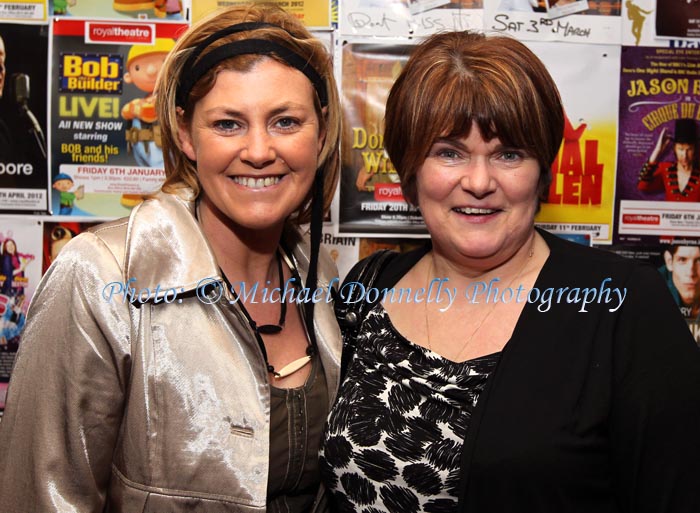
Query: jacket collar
{"x": 165, "y": 246}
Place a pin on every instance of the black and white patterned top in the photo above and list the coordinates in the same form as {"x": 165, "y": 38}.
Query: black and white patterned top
{"x": 394, "y": 436}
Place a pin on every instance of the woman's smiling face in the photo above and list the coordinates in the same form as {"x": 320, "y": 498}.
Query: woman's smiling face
{"x": 255, "y": 138}
{"x": 478, "y": 198}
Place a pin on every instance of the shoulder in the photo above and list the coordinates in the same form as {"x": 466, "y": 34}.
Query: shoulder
{"x": 626, "y": 287}
{"x": 86, "y": 262}
{"x": 146, "y": 222}
{"x": 569, "y": 259}
{"x": 112, "y": 235}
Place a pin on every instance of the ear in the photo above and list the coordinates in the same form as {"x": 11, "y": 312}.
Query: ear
{"x": 668, "y": 258}
{"x": 127, "y": 77}
{"x": 184, "y": 136}
{"x": 322, "y": 129}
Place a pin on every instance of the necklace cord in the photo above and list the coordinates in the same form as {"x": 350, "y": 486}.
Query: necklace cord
{"x": 271, "y": 329}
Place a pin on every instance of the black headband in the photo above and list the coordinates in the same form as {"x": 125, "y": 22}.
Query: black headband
{"x": 192, "y": 73}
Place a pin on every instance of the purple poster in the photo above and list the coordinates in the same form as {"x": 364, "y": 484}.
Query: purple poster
{"x": 658, "y": 178}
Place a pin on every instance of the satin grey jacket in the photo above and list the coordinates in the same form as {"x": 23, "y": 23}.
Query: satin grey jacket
{"x": 155, "y": 403}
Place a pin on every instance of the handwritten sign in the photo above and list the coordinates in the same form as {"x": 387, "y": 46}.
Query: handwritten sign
{"x": 399, "y": 22}
{"x": 532, "y": 26}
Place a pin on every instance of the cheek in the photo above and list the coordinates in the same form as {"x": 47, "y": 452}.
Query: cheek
{"x": 524, "y": 188}
{"x": 433, "y": 184}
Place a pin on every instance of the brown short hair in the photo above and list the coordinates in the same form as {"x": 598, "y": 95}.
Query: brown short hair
{"x": 454, "y": 79}
{"x": 181, "y": 172}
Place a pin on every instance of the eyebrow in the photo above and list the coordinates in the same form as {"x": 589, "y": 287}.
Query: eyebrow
{"x": 274, "y": 112}
{"x": 455, "y": 141}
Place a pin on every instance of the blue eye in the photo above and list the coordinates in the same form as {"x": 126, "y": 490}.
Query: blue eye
{"x": 287, "y": 123}
{"x": 511, "y": 156}
{"x": 447, "y": 153}
{"x": 226, "y": 124}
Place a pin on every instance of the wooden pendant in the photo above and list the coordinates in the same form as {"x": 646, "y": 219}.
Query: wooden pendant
{"x": 292, "y": 367}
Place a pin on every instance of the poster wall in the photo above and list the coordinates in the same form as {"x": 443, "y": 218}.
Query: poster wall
{"x": 581, "y": 196}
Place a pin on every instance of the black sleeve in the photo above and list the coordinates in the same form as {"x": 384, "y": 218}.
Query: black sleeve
{"x": 655, "y": 411}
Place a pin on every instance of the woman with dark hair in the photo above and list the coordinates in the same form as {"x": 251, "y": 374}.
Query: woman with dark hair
{"x": 9, "y": 265}
{"x": 153, "y": 375}
{"x": 502, "y": 368}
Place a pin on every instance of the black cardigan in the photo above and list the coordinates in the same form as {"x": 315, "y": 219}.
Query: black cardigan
{"x": 593, "y": 411}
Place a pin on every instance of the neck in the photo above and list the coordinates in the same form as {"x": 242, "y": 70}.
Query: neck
{"x": 685, "y": 167}
{"x": 243, "y": 254}
{"x": 504, "y": 269}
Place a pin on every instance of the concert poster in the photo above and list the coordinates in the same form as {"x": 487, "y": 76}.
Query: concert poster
{"x": 23, "y": 119}
{"x": 658, "y": 178}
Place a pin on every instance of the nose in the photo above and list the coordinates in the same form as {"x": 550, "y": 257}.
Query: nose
{"x": 258, "y": 150}
{"x": 477, "y": 178}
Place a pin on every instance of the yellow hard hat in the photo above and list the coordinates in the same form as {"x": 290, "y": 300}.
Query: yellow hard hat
{"x": 162, "y": 45}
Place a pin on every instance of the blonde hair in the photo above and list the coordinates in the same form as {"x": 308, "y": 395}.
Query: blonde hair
{"x": 181, "y": 172}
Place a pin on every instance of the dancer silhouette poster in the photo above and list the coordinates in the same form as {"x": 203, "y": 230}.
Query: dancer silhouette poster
{"x": 638, "y": 24}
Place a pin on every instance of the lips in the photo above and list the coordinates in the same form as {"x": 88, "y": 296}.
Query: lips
{"x": 256, "y": 183}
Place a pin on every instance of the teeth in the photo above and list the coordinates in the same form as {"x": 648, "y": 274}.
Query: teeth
{"x": 475, "y": 210}
{"x": 256, "y": 183}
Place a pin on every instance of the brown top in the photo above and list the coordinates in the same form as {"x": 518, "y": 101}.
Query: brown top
{"x": 297, "y": 417}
